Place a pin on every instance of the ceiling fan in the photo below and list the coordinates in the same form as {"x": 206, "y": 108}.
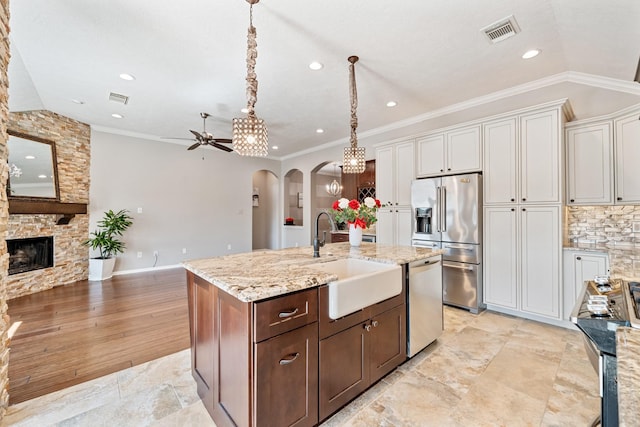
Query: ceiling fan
{"x": 206, "y": 138}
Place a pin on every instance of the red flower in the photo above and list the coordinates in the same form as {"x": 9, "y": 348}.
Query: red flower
{"x": 336, "y": 206}
{"x": 354, "y": 204}
{"x": 359, "y": 223}
{"x": 378, "y": 204}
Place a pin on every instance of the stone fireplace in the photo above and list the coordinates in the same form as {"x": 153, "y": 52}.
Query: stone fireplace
{"x": 70, "y": 257}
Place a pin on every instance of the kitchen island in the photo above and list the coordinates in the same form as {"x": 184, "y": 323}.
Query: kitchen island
{"x": 264, "y": 350}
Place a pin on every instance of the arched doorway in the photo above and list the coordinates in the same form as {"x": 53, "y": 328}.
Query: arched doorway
{"x": 264, "y": 211}
{"x": 321, "y": 199}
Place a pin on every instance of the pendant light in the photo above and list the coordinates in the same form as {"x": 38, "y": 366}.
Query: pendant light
{"x": 250, "y": 133}
{"x": 353, "y": 160}
{"x": 334, "y": 189}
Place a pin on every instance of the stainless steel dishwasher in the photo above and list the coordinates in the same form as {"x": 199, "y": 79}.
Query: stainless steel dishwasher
{"x": 424, "y": 308}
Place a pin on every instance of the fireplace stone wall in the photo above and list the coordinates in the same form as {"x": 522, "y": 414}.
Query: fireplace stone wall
{"x": 73, "y": 150}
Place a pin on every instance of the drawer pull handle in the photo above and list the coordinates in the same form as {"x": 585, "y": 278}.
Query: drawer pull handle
{"x": 289, "y": 358}
{"x": 367, "y": 328}
{"x": 285, "y": 314}
{"x": 375, "y": 323}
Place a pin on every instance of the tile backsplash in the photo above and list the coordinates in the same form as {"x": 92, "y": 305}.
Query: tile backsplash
{"x": 611, "y": 224}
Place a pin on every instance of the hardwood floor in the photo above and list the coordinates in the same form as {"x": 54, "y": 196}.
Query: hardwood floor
{"x": 74, "y": 333}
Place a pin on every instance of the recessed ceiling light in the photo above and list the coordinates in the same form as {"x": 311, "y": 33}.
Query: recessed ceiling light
{"x": 117, "y": 116}
{"x": 126, "y": 76}
{"x": 319, "y": 130}
{"x": 42, "y": 176}
{"x": 274, "y": 147}
{"x": 392, "y": 104}
{"x": 77, "y": 101}
{"x": 315, "y": 66}
{"x": 29, "y": 157}
{"x": 530, "y": 54}
{"x": 244, "y": 110}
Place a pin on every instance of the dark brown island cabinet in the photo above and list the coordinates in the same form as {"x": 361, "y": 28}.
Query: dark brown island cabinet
{"x": 283, "y": 361}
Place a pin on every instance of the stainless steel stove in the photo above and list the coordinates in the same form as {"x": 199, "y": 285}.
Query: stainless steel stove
{"x": 603, "y": 306}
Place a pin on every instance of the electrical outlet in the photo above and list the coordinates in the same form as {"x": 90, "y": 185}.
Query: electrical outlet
{"x": 229, "y": 247}
{"x": 139, "y": 210}
{"x": 184, "y": 250}
{"x": 155, "y": 253}
{"x": 139, "y": 254}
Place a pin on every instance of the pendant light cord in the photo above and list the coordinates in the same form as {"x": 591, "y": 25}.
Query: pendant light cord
{"x": 252, "y": 54}
{"x": 353, "y": 93}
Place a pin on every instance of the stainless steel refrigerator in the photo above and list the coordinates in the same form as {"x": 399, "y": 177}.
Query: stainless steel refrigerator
{"x": 447, "y": 214}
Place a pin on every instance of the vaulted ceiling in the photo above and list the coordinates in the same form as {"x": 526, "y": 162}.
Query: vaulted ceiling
{"x": 431, "y": 57}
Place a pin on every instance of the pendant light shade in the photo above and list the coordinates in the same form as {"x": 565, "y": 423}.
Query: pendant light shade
{"x": 250, "y": 137}
{"x": 335, "y": 188}
{"x": 354, "y": 156}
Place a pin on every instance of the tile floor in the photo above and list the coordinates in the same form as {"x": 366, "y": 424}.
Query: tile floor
{"x": 485, "y": 370}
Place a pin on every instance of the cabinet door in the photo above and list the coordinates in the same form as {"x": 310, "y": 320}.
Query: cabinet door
{"x": 500, "y": 256}
{"x": 589, "y": 165}
{"x": 202, "y": 337}
{"x": 627, "y": 143}
{"x": 286, "y": 392}
{"x": 463, "y": 150}
{"x": 540, "y": 260}
{"x": 431, "y": 153}
{"x": 385, "y": 226}
{"x": 500, "y": 162}
{"x": 343, "y": 369}
{"x": 580, "y": 266}
{"x": 388, "y": 342}
{"x": 404, "y": 172}
{"x": 384, "y": 175}
{"x": 403, "y": 226}
{"x": 540, "y": 158}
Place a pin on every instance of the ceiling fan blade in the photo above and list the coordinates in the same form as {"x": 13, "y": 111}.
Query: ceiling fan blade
{"x": 222, "y": 140}
{"x": 198, "y": 136}
{"x": 222, "y": 147}
{"x": 170, "y": 137}
{"x": 194, "y": 146}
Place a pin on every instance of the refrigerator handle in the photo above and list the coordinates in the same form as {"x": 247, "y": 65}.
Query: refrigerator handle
{"x": 438, "y": 205}
{"x": 443, "y": 203}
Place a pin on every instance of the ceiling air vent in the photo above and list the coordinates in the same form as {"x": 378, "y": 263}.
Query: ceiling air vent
{"x": 501, "y": 30}
{"x": 116, "y": 97}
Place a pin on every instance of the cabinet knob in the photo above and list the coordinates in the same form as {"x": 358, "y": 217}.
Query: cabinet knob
{"x": 448, "y": 169}
{"x": 513, "y": 209}
{"x": 524, "y": 199}
{"x": 367, "y": 328}
{"x": 513, "y": 199}
{"x": 572, "y": 200}
{"x": 290, "y": 358}
{"x": 374, "y": 323}
{"x": 523, "y": 209}
{"x": 441, "y": 170}
{"x": 619, "y": 198}
{"x": 578, "y": 258}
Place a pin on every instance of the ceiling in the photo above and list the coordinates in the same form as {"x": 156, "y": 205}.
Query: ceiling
{"x": 430, "y": 57}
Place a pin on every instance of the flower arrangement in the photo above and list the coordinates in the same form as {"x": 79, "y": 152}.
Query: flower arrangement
{"x": 353, "y": 212}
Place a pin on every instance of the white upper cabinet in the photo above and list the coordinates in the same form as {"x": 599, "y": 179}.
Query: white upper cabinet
{"x": 500, "y": 162}
{"x": 394, "y": 173}
{"x": 452, "y": 152}
{"x": 627, "y": 149}
{"x": 589, "y": 151}
{"x": 540, "y": 154}
{"x": 522, "y": 159}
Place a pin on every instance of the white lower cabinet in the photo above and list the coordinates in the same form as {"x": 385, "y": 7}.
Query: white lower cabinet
{"x": 522, "y": 259}
{"x": 394, "y": 226}
{"x": 580, "y": 266}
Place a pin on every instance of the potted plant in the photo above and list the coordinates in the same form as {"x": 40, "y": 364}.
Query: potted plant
{"x": 105, "y": 241}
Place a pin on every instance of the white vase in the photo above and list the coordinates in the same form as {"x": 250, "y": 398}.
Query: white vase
{"x": 355, "y": 235}
{"x": 101, "y": 269}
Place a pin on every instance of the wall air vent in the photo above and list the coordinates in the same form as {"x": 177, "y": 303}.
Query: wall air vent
{"x": 502, "y": 29}
{"x": 116, "y": 97}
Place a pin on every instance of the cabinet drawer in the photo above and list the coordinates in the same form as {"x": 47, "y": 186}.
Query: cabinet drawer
{"x": 282, "y": 314}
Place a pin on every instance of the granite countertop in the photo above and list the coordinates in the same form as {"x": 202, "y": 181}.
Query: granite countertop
{"x": 628, "y": 354}
{"x": 258, "y": 275}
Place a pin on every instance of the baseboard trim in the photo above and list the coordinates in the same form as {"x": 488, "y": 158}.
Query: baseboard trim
{"x": 146, "y": 270}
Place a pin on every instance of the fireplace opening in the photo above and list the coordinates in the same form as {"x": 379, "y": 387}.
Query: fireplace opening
{"x": 30, "y": 254}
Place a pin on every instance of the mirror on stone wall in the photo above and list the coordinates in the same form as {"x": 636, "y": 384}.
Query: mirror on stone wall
{"x": 33, "y": 171}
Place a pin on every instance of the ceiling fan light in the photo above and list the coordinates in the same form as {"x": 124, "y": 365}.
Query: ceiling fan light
{"x": 250, "y": 136}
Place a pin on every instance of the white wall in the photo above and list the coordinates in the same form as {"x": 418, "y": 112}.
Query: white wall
{"x": 200, "y": 200}
{"x": 266, "y": 223}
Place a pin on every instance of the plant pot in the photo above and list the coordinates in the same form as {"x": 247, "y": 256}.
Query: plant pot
{"x": 101, "y": 269}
